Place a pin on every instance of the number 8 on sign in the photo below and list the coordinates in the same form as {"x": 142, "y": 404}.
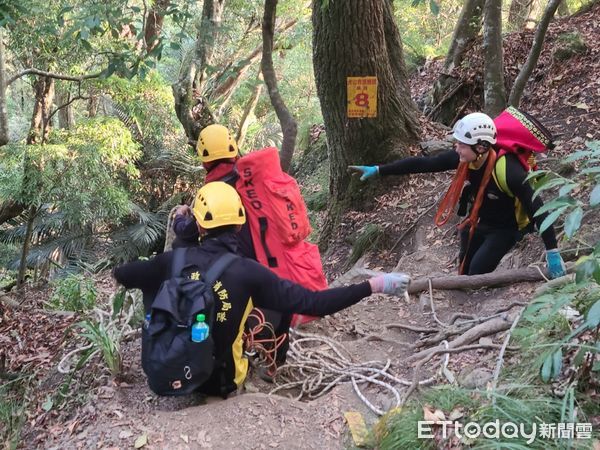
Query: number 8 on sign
{"x": 362, "y": 100}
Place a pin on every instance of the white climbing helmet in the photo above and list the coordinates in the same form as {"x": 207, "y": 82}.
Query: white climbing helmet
{"x": 474, "y": 128}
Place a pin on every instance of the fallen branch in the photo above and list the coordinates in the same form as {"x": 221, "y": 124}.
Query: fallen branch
{"x": 497, "y": 278}
{"x": 440, "y": 351}
{"x": 483, "y": 329}
{"x": 554, "y": 284}
{"x": 410, "y": 328}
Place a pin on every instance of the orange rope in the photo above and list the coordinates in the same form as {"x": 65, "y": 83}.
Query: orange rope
{"x": 265, "y": 347}
{"x": 450, "y": 200}
{"x": 452, "y": 196}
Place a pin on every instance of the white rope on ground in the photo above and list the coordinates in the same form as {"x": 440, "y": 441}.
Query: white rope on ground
{"x": 318, "y": 368}
{"x": 433, "y": 306}
{"x": 540, "y": 271}
{"x": 66, "y": 358}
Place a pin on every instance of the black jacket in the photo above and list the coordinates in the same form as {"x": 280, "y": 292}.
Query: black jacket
{"x": 498, "y": 208}
{"x": 243, "y": 285}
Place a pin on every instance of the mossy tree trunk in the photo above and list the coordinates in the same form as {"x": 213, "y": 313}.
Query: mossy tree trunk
{"x": 360, "y": 38}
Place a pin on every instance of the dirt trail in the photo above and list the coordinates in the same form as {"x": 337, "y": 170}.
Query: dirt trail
{"x": 118, "y": 415}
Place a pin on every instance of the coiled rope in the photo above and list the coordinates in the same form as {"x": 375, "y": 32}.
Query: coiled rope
{"x": 315, "y": 365}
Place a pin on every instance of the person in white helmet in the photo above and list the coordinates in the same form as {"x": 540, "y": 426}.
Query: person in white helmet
{"x": 492, "y": 192}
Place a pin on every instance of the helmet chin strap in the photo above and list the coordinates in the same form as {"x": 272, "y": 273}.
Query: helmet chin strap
{"x": 486, "y": 145}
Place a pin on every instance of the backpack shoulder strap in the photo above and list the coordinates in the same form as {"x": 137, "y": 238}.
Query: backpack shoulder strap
{"x": 218, "y": 267}
{"x": 499, "y": 174}
{"x": 178, "y": 261}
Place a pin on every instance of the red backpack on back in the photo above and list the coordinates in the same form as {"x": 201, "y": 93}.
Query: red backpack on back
{"x": 278, "y": 221}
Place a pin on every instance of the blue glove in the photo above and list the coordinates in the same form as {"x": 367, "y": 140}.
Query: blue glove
{"x": 365, "y": 171}
{"x": 394, "y": 283}
{"x": 555, "y": 263}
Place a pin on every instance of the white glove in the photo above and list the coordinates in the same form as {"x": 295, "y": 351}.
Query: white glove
{"x": 394, "y": 283}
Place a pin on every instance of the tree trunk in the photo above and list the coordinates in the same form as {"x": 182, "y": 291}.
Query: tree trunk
{"x": 233, "y": 74}
{"x": 534, "y": 53}
{"x": 9, "y": 210}
{"x": 249, "y": 109}
{"x": 44, "y": 96}
{"x": 449, "y": 93}
{"x": 92, "y": 106}
{"x": 26, "y": 245}
{"x": 352, "y": 38}
{"x": 65, "y": 114}
{"x": 154, "y": 24}
{"x": 191, "y": 109}
{"x": 563, "y": 9}
{"x": 467, "y": 28}
{"x": 286, "y": 120}
{"x": 493, "y": 78}
{"x": 3, "y": 113}
{"x": 518, "y": 13}
{"x": 537, "y": 6}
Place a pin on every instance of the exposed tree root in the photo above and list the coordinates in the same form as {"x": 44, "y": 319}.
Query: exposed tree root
{"x": 473, "y": 334}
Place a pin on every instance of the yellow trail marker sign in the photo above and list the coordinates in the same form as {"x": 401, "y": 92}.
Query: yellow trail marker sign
{"x": 362, "y": 96}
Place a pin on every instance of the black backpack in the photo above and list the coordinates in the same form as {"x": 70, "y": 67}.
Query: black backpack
{"x": 173, "y": 363}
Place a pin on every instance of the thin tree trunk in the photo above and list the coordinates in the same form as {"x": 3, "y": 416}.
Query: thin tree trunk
{"x": 536, "y": 11}
{"x": 92, "y": 106}
{"x": 3, "y": 113}
{"x": 449, "y": 93}
{"x": 286, "y": 120}
{"x": 9, "y": 210}
{"x": 563, "y": 9}
{"x": 227, "y": 85}
{"x": 26, "y": 245}
{"x": 467, "y": 28}
{"x": 65, "y": 114}
{"x": 518, "y": 13}
{"x": 191, "y": 109}
{"x": 44, "y": 97}
{"x": 493, "y": 79}
{"x": 534, "y": 53}
{"x": 249, "y": 109}
{"x": 154, "y": 24}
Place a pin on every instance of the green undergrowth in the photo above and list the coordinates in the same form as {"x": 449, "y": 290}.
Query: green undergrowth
{"x": 559, "y": 326}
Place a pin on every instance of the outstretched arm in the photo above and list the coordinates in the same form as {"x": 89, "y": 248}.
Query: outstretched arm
{"x": 281, "y": 295}
{"x": 446, "y": 160}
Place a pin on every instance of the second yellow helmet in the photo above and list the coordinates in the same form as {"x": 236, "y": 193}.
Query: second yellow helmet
{"x": 218, "y": 204}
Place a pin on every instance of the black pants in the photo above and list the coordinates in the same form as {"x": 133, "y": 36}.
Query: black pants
{"x": 486, "y": 249}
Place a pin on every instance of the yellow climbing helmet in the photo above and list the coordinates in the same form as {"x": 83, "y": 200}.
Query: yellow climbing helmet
{"x": 215, "y": 142}
{"x": 218, "y": 204}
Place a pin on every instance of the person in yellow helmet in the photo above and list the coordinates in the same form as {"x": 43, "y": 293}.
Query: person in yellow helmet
{"x": 243, "y": 284}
